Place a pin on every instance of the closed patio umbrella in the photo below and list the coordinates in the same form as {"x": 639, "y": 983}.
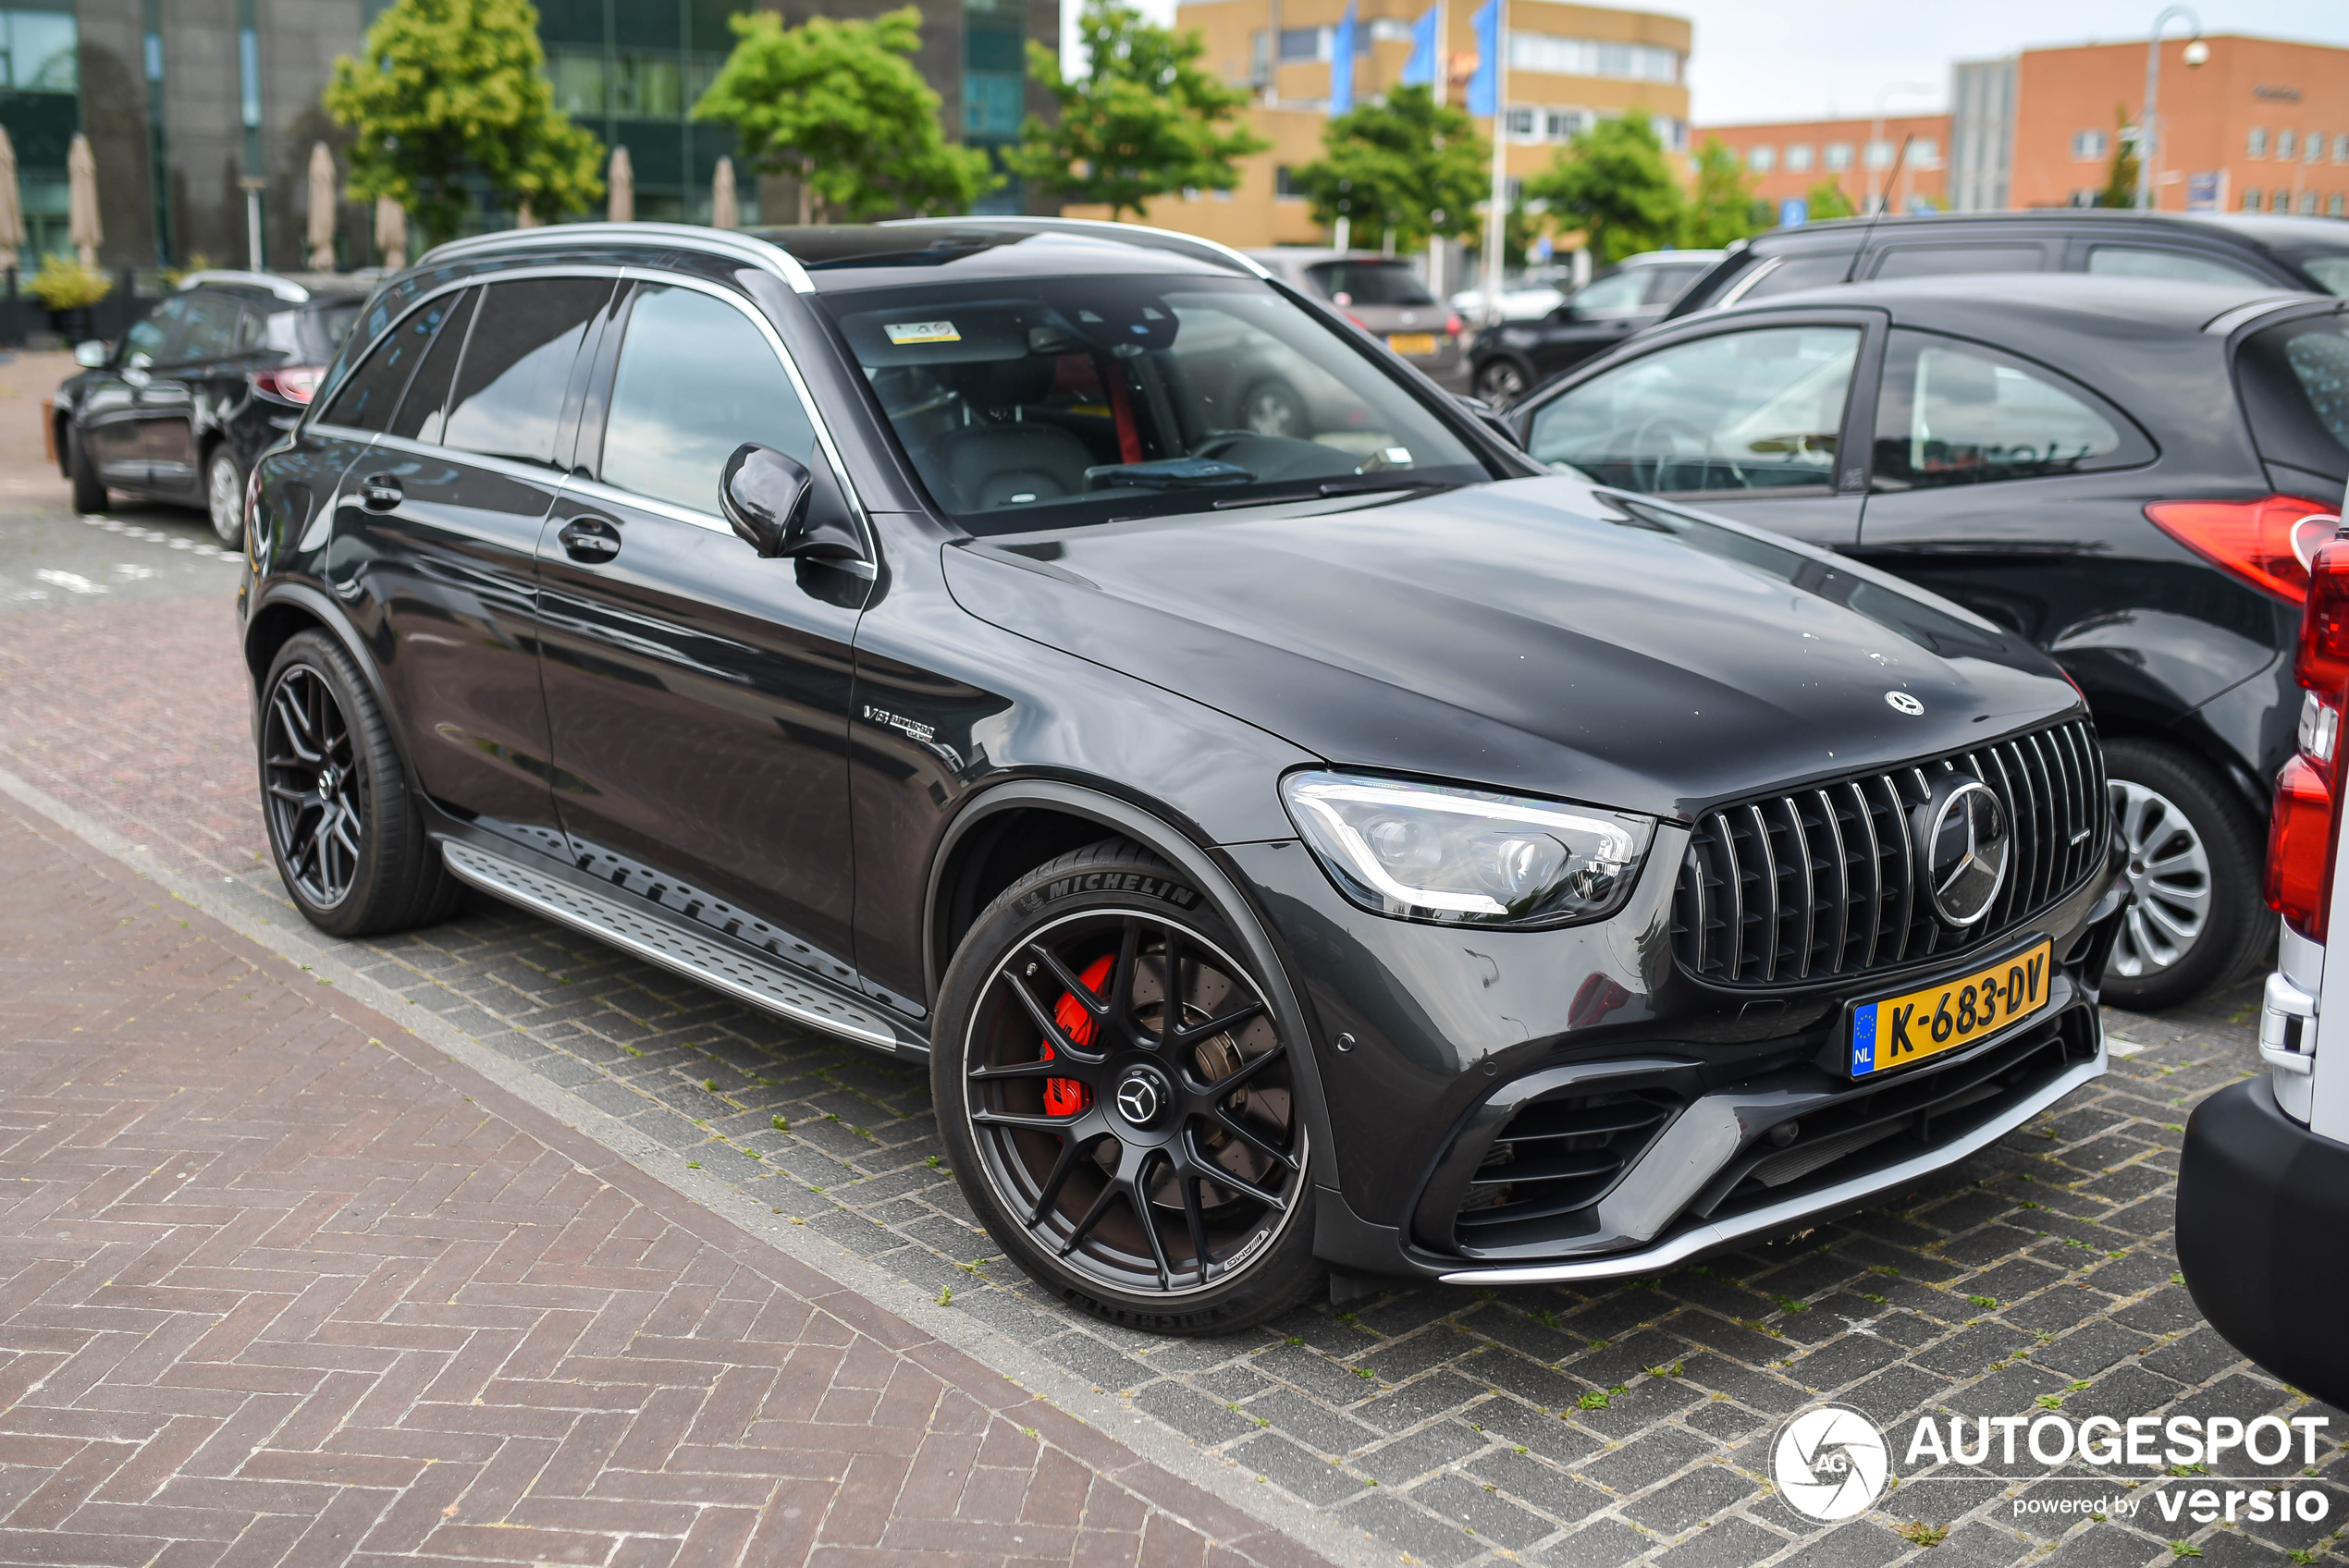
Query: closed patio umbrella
{"x": 83, "y": 228}
{"x": 623, "y": 181}
{"x": 11, "y": 205}
{"x": 391, "y": 232}
{"x": 725, "y": 212}
{"x": 525, "y": 218}
{"x": 322, "y": 208}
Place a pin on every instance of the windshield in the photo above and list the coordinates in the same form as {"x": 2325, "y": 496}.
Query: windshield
{"x": 1053, "y": 402}
{"x": 2328, "y": 267}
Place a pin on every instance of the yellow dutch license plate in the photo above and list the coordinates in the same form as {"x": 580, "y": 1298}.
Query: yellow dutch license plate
{"x": 1412, "y": 342}
{"x": 1949, "y": 1013}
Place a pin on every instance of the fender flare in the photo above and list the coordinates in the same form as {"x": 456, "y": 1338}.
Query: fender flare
{"x": 323, "y": 608}
{"x": 1237, "y": 913}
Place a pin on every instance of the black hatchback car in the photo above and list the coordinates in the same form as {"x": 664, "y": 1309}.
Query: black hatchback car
{"x": 180, "y": 407}
{"x": 2253, "y": 251}
{"x": 1507, "y": 358}
{"x": 2130, "y": 473}
{"x": 1347, "y": 849}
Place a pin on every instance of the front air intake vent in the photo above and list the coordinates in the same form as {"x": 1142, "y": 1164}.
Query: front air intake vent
{"x": 1822, "y": 882}
{"x": 1556, "y": 1158}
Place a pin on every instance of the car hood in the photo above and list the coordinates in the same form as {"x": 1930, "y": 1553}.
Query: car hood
{"x": 1530, "y": 634}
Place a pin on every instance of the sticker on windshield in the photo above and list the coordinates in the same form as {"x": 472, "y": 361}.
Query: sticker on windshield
{"x": 922, "y": 332}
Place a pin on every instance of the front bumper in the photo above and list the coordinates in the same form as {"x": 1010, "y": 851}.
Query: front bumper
{"x": 2262, "y": 1204}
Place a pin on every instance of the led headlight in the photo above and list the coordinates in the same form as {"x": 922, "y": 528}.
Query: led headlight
{"x": 1463, "y": 856}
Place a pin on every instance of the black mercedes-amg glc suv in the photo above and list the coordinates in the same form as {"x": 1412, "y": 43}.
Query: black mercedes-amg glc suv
{"x": 1349, "y": 849}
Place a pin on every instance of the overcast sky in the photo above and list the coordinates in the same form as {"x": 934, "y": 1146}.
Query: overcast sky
{"x": 1805, "y": 59}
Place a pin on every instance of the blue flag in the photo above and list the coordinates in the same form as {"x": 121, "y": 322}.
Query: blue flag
{"x": 1484, "y": 87}
{"x": 1427, "y": 56}
{"x": 1342, "y": 64}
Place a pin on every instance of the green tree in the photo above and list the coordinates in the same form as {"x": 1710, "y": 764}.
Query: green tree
{"x": 1144, "y": 120}
{"x": 1826, "y": 200}
{"x": 450, "y": 93}
{"x": 1405, "y": 164}
{"x": 839, "y": 106}
{"x": 1612, "y": 183}
{"x": 2120, "y": 175}
{"x": 1723, "y": 207}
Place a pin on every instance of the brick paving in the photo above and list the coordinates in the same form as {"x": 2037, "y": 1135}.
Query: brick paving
{"x": 275, "y": 1286}
{"x": 1587, "y": 1427}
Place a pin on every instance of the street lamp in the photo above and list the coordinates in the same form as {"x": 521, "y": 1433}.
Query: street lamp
{"x": 2147, "y": 137}
{"x": 1875, "y": 140}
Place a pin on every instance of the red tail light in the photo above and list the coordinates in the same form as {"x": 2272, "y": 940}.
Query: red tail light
{"x": 2304, "y": 830}
{"x": 295, "y": 383}
{"x": 1454, "y": 326}
{"x": 2300, "y": 847}
{"x": 2267, "y": 543}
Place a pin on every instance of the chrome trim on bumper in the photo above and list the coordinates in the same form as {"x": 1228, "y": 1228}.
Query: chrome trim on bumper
{"x": 1780, "y": 1216}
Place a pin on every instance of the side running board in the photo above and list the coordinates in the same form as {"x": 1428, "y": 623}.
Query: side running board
{"x": 713, "y": 962}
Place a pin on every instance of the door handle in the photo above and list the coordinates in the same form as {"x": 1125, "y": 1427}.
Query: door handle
{"x": 380, "y": 493}
{"x": 591, "y": 540}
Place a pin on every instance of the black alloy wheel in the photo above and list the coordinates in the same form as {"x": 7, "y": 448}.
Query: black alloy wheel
{"x": 343, "y": 827}
{"x": 1147, "y": 1162}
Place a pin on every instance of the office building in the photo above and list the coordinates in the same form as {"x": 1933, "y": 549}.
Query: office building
{"x": 1863, "y": 158}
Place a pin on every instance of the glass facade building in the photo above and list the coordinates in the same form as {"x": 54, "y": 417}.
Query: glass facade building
{"x": 41, "y": 106}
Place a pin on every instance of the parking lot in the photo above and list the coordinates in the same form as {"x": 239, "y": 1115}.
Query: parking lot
{"x": 1589, "y": 1428}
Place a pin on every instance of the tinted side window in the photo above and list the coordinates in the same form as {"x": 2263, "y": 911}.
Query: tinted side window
{"x": 509, "y": 397}
{"x": 2295, "y": 387}
{"x": 1613, "y": 296}
{"x": 1668, "y": 284}
{"x": 1801, "y": 271}
{"x": 1958, "y": 413}
{"x": 695, "y": 380}
{"x": 206, "y": 329}
{"x": 1741, "y": 410}
{"x": 422, "y": 410}
{"x": 1370, "y": 283}
{"x": 2140, "y": 261}
{"x": 371, "y": 392}
{"x": 1949, "y": 261}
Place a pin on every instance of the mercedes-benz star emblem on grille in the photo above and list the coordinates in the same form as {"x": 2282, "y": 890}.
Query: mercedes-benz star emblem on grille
{"x": 1138, "y": 1099}
{"x": 1901, "y": 701}
{"x": 1962, "y": 848}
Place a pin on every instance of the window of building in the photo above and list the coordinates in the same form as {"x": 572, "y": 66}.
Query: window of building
{"x": 1762, "y": 160}
{"x": 1838, "y": 156}
{"x": 1798, "y": 157}
{"x": 2280, "y": 201}
{"x": 2341, "y": 148}
{"x": 2316, "y": 146}
{"x": 1285, "y": 184}
{"x": 2309, "y": 203}
{"x": 2256, "y": 144}
{"x": 1298, "y": 44}
{"x": 2334, "y": 206}
{"x": 2287, "y": 146}
{"x": 39, "y": 52}
{"x": 1879, "y": 154}
{"x": 2250, "y": 198}
{"x": 1586, "y": 56}
{"x": 1563, "y": 125}
{"x": 2088, "y": 144}
{"x": 1924, "y": 153}
{"x": 1389, "y": 30}
{"x": 1521, "y": 124}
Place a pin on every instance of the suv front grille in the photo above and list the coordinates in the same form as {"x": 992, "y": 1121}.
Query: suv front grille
{"x": 1822, "y": 882}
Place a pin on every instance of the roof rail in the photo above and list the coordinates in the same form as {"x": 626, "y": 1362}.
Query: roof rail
{"x": 1212, "y": 249}
{"x": 284, "y": 288}
{"x": 760, "y": 253}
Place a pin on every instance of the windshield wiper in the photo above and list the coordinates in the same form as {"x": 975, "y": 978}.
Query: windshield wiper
{"x": 1167, "y": 473}
{"x": 1367, "y": 486}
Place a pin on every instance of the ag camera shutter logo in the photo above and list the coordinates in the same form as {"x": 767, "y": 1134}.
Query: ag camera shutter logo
{"x": 1830, "y": 1463}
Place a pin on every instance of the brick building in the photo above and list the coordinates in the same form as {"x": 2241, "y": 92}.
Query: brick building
{"x": 1569, "y": 65}
{"x": 1862, "y": 157}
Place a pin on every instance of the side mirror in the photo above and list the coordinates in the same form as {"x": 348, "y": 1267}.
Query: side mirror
{"x": 90, "y": 354}
{"x": 768, "y": 498}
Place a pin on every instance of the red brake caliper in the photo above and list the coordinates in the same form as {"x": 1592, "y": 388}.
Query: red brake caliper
{"x": 1066, "y": 1096}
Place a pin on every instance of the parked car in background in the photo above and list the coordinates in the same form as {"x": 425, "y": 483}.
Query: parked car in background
{"x": 2263, "y": 1181}
{"x": 2297, "y": 253}
{"x": 180, "y": 407}
{"x": 1507, "y": 360}
{"x": 2124, "y": 470}
{"x": 1281, "y": 855}
{"x": 1384, "y": 297}
{"x": 1525, "y": 296}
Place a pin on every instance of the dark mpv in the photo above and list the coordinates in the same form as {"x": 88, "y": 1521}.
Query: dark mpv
{"x": 1347, "y": 848}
